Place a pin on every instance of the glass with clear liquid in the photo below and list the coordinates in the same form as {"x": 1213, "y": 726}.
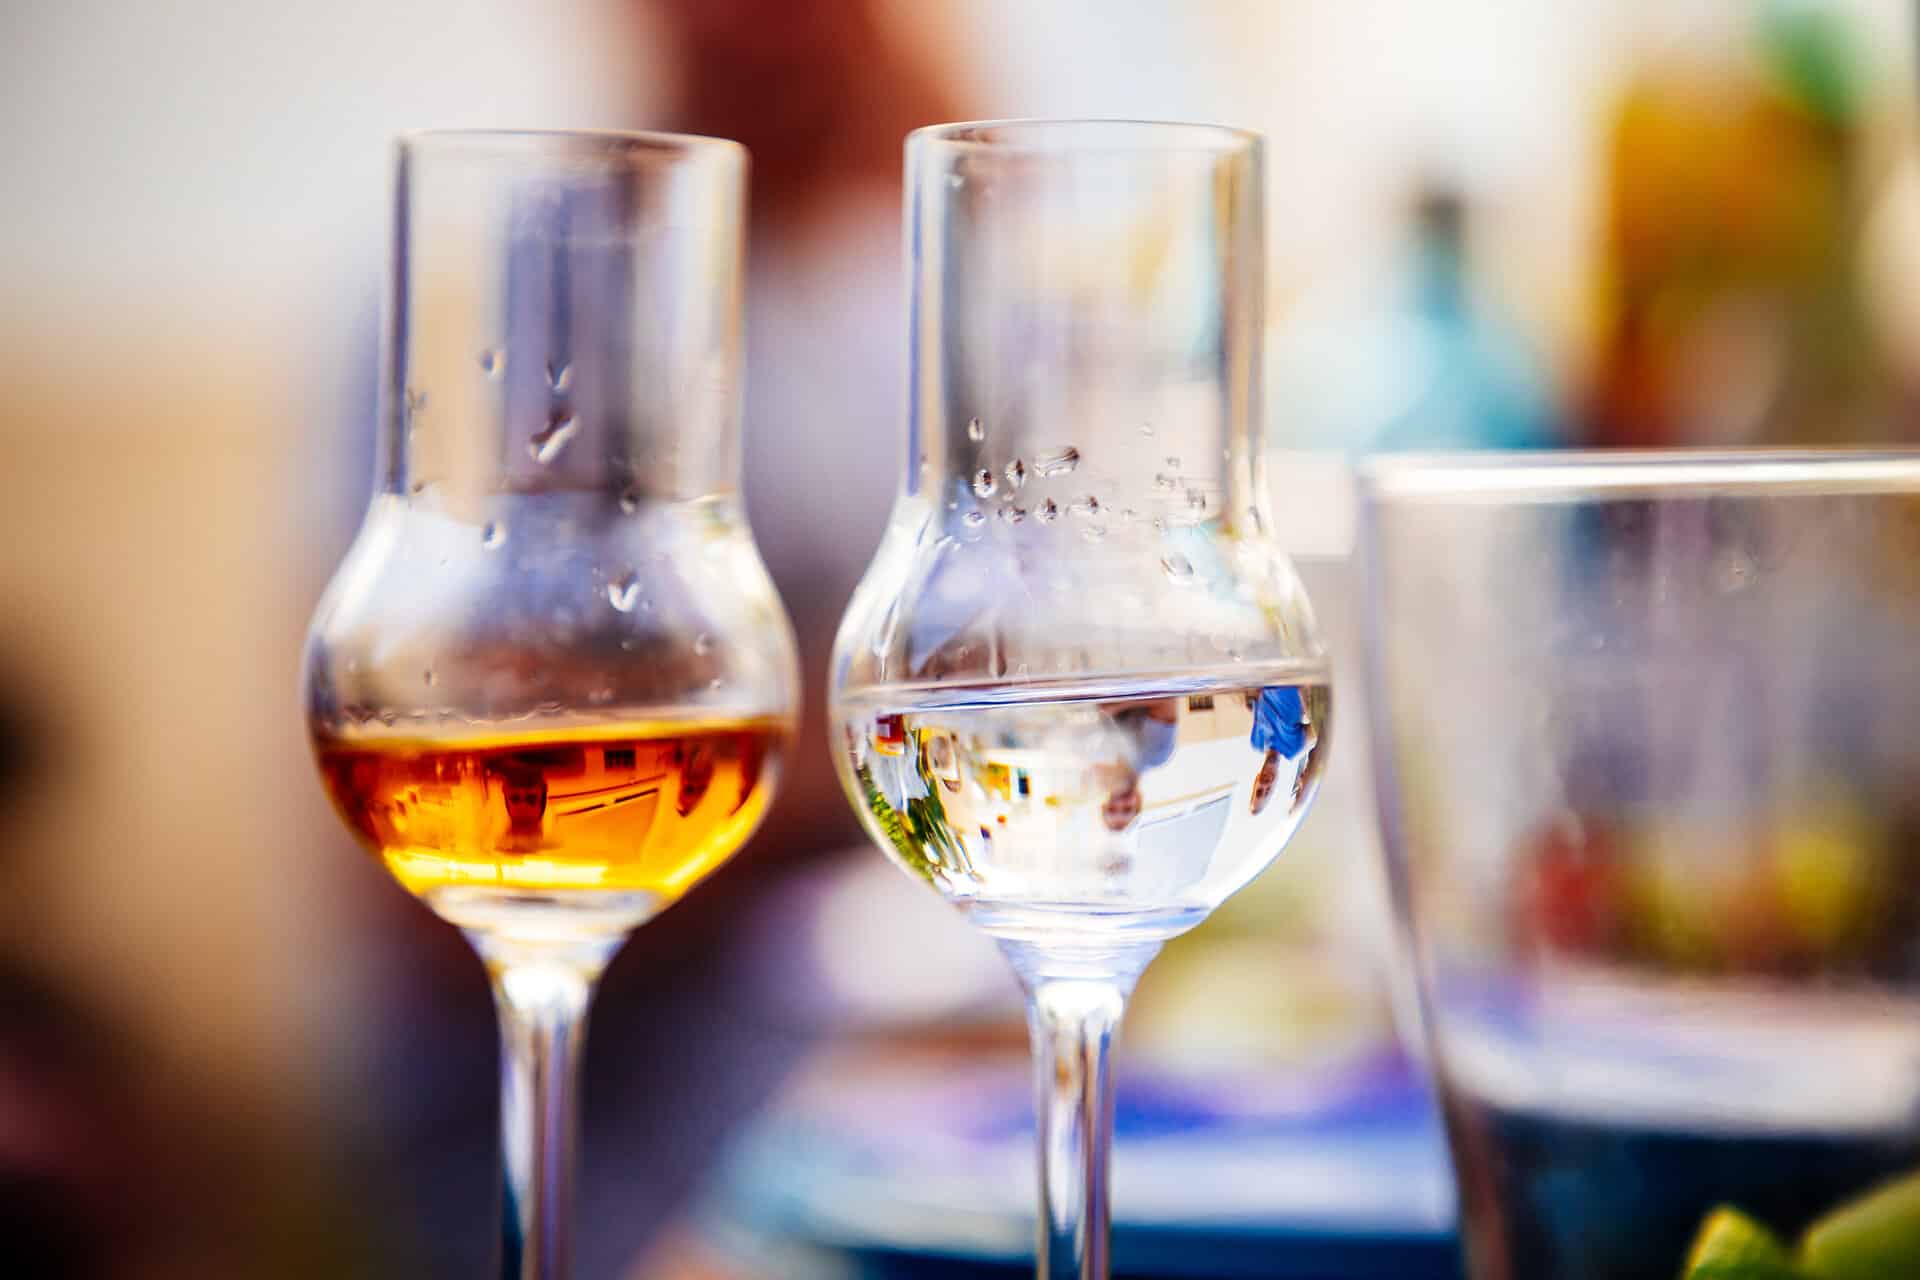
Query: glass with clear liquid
{"x": 1079, "y": 691}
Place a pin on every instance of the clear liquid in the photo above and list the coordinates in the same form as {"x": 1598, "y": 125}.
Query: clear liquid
{"x": 1098, "y": 810}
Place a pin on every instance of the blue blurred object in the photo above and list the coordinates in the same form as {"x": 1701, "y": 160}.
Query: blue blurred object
{"x": 923, "y": 1170}
{"x": 1432, "y": 366}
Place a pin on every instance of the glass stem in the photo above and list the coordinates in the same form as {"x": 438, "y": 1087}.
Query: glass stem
{"x": 543, "y": 1016}
{"x": 1073, "y": 1018}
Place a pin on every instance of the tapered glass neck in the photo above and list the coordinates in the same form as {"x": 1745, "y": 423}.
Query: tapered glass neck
{"x": 1086, "y": 296}
{"x": 564, "y": 316}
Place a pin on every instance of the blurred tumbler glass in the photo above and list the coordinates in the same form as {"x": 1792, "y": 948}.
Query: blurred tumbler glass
{"x": 1647, "y": 742}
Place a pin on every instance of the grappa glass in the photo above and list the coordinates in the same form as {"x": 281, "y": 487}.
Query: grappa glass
{"x": 1650, "y": 798}
{"x": 1079, "y": 690}
{"x": 551, "y": 684}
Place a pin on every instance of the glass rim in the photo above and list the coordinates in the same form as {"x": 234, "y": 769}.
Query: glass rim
{"x": 1576, "y": 474}
{"x": 1042, "y": 135}
{"x": 507, "y": 142}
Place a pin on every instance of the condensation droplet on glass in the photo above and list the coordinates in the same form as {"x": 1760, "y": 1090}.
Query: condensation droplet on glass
{"x": 703, "y": 644}
{"x": 974, "y": 519}
{"x": 1056, "y": 462}
{"x": 714, "y": 683}
{"x": 955, "y": 181}
{"x": 387, "y": 718}
{"x": 1048, "y": 510}
{"x": 1013, "y": 515}
{"x": 559, "y": 377}
{"x": 492, "y": 535}
{"x": 546, "y": 445}
{"x": 1146, "y": 428}
{"x": 626, "y": 645}
{"x": 975, "y": 431}
{"x": 493, "y": 362}
{"x": 983, "y": 483}
{"x": 1177, "y": 567}
{"x": 1258, "y": 521}
{"x": 1173, "y": 463}
{"x": 353, "y": 667}
{"x": 1086, "y": 508}
{"x": 1016, "y": 475}
{"x": 601, "y": 696}
{"x": 1196, "y": 500}
{"x": 1094, "y": 532}
{"x": 1128, "y": 515}
{"x": 629, "y": 501}
{"x": 1735, "y": 570}
{"x": 947, "y": 542}
{"x": 624, "y": 593}
{"x": 428, "y": 676}
{"x": 1162, "y": 480}
{"x": 419, "y": 487}
{"x": 416, "y": 400}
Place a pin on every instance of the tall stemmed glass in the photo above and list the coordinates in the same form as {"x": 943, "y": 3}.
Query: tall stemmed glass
{"x": 1079, "y": 690}
{"x": 551, "y": 683}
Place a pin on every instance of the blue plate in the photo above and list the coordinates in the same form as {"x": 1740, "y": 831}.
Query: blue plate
{"x": 921, "y": 1166}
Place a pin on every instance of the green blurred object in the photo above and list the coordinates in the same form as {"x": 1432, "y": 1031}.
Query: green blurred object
{"x": 1732, "y": 1246}
{"x": 1876, "y": 1237}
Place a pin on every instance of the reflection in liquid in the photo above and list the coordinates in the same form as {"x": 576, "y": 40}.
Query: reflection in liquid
{"x": 1127, "y": 803}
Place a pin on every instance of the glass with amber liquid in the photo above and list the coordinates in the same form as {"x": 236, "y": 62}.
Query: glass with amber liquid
{"x": 551, "y": 685}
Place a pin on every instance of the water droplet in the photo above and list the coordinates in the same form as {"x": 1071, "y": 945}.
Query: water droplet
{"x": 947, "y": 542}
{"x": 624, "y": 594}
{"x": 973, "y": 519}
{"x": 1013, "y": 515}
{"x": 703, "y": 644}
{"x": 600, "y": 697}
{"x": 353, "y": 667}
{"x": 976, "y": 432}
{"x": 1258, "y": 521}
{"x": 983, "y": 483}
{"x": 1735, "y": 570}
{"x": 1016, "y": 475}
{"x": 387, "y": 718}
{"x": 419, "y": 486}
{"x": 1048, "y": 511}
{"x": 714, "y": 683}
{"x": 629, "y": 501}
{"x": 627, "y": 645}
{"x": 1173, "y": 463}
{"x": 1056, "y": 462}
{"x": 1086, "y": 508}
{"x": 546, "y": 445}
{"x": 492, "y": 535}
{"x": 559, "y": 377}
{"x": 955, "y": 181}
{"x": 1196, "y": 500}
{"x": 1146, "y": 428}
{"x": 428, "y": 676}
{"x": 416, "y": 400}
{"x": 1177, "y": 567}
{"x": 1128, "y": 515}
{"x": 1094, "y": 532}
{"x": 493, "y": 362}
{"x": 1162, "y": 480}
{"x": 953, "y": 506}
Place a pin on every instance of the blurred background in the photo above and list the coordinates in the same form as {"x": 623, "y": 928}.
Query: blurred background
{"x": 229, "y": 1046}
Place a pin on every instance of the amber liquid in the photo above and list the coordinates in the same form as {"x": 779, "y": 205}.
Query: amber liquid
{"x": 647, "y": 807}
